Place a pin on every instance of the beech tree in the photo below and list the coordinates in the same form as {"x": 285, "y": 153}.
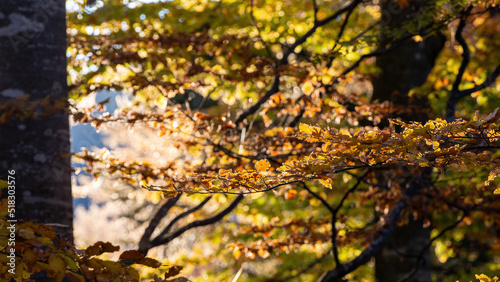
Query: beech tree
{"x": 348, "y": 140}
{"x": 34, "y": 143}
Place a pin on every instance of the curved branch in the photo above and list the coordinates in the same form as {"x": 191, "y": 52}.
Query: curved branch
{"x": 315, "y": 195}
{"x": 273, "y": 90}
{"x": 465, "y": 55}
{"x": 182, "y": 215}
{"x": 160, "y": 214}
{"x": 198, "y": 223}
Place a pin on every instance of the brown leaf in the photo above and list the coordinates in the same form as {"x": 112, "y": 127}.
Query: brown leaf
{"x": 149, "y": 262}
{"x": 173, "y": 271}
{"x": 100, "y": 248}
{"x": 131, "y": 254}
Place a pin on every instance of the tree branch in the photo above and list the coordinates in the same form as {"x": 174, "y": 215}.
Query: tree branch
{"x": 160, "y": 214}
{"x": 198, "y": 223}
{"x": 317, "y": 24}
{"x": 273, "y": 90}
{"x": 182, "y": 215}
{"x": 381, "y": 239}
{"x": 275, "y": 87}
{"x": 465, "y": 55}
{"x": 456, "y": 94}
{"x": 315, "y": 195}
{"x": 420, "y": 260}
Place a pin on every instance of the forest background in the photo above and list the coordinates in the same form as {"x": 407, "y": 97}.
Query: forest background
{"x": 255, "y": 140}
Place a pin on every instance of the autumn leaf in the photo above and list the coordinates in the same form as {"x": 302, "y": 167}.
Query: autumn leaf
{"x": 224, "y": 172}
{"x": 326, "y": 182}
{"x": 57, "y": 265}
{"x": 131, "y": 254}
{"x": 307, "y": 87}
{"x": 485, "y": 278}
{"x": 237, "y": 253}
{"x": 262, "y": 165}
{"x": 100, "y": 248}
{"x": 149, "y": 262}
{"x": 290, "y": 194}
{"x": 173, "y": 271}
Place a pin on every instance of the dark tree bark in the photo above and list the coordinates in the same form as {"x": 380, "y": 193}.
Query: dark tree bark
{"x": 36, "y": 146}
{"x": 402, "y": 70}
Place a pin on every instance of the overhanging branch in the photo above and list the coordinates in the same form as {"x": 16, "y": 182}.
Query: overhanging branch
{"x": 182, "y": 215}
{"x": 160, "y": 214}
{"x": 198, "y": 223}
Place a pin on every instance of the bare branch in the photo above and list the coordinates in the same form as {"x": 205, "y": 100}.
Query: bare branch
{"x": 465, "y": 55}
{"x": 455, "y": 93}
{"x": 182, "y": 215}
{"x": 486, "y": 83}
{"x": 160, "y": 214}
{"x": 315, "y": 10}
{"x": 321, "y": 199}
{"x": 198, "y": 223}
{"x": 273, "y": 90}
{"x": 334, "y": 220}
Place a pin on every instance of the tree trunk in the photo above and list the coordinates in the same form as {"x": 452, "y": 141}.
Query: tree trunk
{"x": 402, "y": 70}
{"x": 35, "y": 145}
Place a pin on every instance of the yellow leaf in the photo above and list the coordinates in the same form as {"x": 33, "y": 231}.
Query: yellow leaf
{"x": 430, "y": 125}
{"x": 262, "y": 165}
{"x": 237, "y": 253}
{"x": 345, "y": 131}
{"x": 57, "y": 264}
{"x": 497, "y": 191}
{"x": 308, "y": 88}
{"x": 326, "y": 182}
{"x": 325, "y": 147}
{"x": 485, "y": 278}
{"x": 224, "y": 172}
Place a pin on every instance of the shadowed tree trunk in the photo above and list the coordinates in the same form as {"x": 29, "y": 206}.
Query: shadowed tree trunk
{"x": 35, "y": 145}
{"x": 402, "y": 70}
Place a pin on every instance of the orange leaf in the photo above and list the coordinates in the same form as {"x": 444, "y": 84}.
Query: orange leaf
{"x": 290, "y": 194}
{"x": 237, "y": 253}
{"x": 262, "y": 165}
